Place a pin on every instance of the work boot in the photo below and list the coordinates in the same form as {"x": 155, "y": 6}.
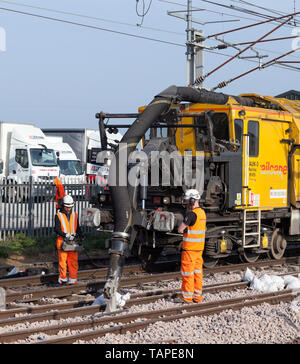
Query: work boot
{"x": 73, "y": 284}
{"x": 199, "y": 300}
{"x": 181, "y": 300}
{"x": 73, "y": 281}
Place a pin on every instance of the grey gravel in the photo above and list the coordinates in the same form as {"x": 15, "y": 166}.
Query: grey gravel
{"x": 268, "y": 324}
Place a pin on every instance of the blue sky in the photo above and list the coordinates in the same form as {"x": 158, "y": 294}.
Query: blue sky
{"x": 59, "y": 75}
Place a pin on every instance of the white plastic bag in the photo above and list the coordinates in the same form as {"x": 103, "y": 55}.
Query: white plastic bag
{"x": 12, "y": 272}
{"x": 289, "y": 279}
{"x": 248, "y": 276}
{"x": 99, "y": 301}
{"x": 256, "y": 284}
{"x": 265, "y": 279}
{"x": 294, "y": 284}
{"x": 279, "y": 281}
{"x": 121, "y": 300}
{"x": 270, "y": 287}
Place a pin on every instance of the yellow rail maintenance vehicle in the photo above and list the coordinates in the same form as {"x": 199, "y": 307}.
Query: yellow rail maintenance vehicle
{"x": 244, "y": 153}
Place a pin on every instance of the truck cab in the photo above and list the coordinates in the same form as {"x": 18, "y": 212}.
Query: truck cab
{"x": 71, "y": 168}
{"x": 29, "y": 155}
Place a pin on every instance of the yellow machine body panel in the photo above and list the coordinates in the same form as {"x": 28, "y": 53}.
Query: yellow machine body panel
{"x": 291, "y": 114}
{"x": 265, "y": 164}
{"x": 265, "y": 140}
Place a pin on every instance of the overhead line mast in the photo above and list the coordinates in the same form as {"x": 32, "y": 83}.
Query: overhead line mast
{"x": 195, "y": 42}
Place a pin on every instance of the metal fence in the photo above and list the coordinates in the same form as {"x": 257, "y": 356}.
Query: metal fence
{"x": 30, "y": 207}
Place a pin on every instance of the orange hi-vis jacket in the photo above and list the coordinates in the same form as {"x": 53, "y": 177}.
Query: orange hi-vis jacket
{"x": 60, "y": 191}
{"x": 194, "y": 238}
{"x": 66, "y": 226}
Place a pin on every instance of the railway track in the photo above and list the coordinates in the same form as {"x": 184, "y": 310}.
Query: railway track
{"x": 122, "y": 322}
{"x": 30, "y": 289}
{"x": 92, "y": 274}
{"x": 22, "y": 294}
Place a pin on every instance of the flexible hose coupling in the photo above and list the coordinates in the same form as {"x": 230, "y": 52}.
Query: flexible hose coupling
{"x": 119, "y": 243}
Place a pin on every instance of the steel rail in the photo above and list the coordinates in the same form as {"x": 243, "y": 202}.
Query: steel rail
{"x": 30, "y": 295}
{"x": 101, "y": 272}
{"x": 53, "y": 277}
{"x": 94, "y": 310}
{"x": 172, "y": 314}
{"x": 66, "y": 309}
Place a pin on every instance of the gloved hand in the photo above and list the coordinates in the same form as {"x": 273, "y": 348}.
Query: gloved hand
{"x": 69, "y": 237}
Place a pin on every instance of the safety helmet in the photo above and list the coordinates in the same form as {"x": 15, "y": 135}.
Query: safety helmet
{"x": 192, "y": 194}
{"x": 68, "y": 201}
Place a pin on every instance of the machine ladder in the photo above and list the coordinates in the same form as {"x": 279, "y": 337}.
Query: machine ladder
{"x": 252, "y": 223}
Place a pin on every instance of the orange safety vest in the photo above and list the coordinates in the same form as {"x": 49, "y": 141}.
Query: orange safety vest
{"x": 194, "y": 238}
{"x": 66, "y": 226}
{"x": 60, "y": 191}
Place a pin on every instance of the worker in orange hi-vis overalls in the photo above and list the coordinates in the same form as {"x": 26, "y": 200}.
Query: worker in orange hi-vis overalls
{"x": 68, "y": 230}
{"x": 193, "y": 229}
{"x": 59, "y": 193}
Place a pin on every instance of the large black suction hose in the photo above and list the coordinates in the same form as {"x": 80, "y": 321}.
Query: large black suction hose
{"x": 120, "y": 195}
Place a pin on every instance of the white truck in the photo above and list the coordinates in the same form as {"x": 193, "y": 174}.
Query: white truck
{"x": 24, "y": 152}
{"x": 71, "y": 168}
{"x": 86, "y": 145}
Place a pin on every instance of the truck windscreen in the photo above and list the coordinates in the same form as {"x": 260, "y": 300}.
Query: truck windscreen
{"x": 71, "y": 168}
{"x": 43, "y": 157}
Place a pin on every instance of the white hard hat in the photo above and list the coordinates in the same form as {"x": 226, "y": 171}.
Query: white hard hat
{"x": 68, "y": 201}
{"x": 192, "y": 194}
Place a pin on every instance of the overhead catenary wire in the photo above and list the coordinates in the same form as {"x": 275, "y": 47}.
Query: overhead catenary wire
{"x": 89, "y": 17}
{"x": 267, "y": 40}
{"x": 117, "y": 32}
{"x": 91, "y": 26}
{"x": 230, "y": 15}
{"x": 255, "y": 24}
{"x": 243, "y": 10}
{"x": 265, "y": 65}
{"x": 145, "y": 11}
{"x": 202, "y": 78}
{"x": 277, "y": 12}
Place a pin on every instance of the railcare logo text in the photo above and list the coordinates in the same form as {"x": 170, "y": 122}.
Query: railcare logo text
{"x": 2, "y": 40}
{"x": 296, "y": 41}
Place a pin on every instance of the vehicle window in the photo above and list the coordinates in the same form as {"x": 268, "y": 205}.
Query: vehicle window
{"x": 239, "y": 129}
{"x": 253, "y": 132}
{"x": 71, "y": 168}
{"x": 43, "y": 157}
{"x": 22, "y": 157}
{"x": 150, "y": 133}
{"x": 162, "y": 132}
{"x": 221, "y": 126}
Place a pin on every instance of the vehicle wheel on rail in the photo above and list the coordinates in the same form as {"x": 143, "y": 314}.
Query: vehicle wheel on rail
{"x": 278, "y": 245}
{"x": 209, "y": 262}
{"x": 248, "y": 256}
{"x": 146, "y": 254}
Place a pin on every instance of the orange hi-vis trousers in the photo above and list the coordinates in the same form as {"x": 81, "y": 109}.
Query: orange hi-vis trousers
{"x": 192, "y": 275}
{"x": 67, "y": 260}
